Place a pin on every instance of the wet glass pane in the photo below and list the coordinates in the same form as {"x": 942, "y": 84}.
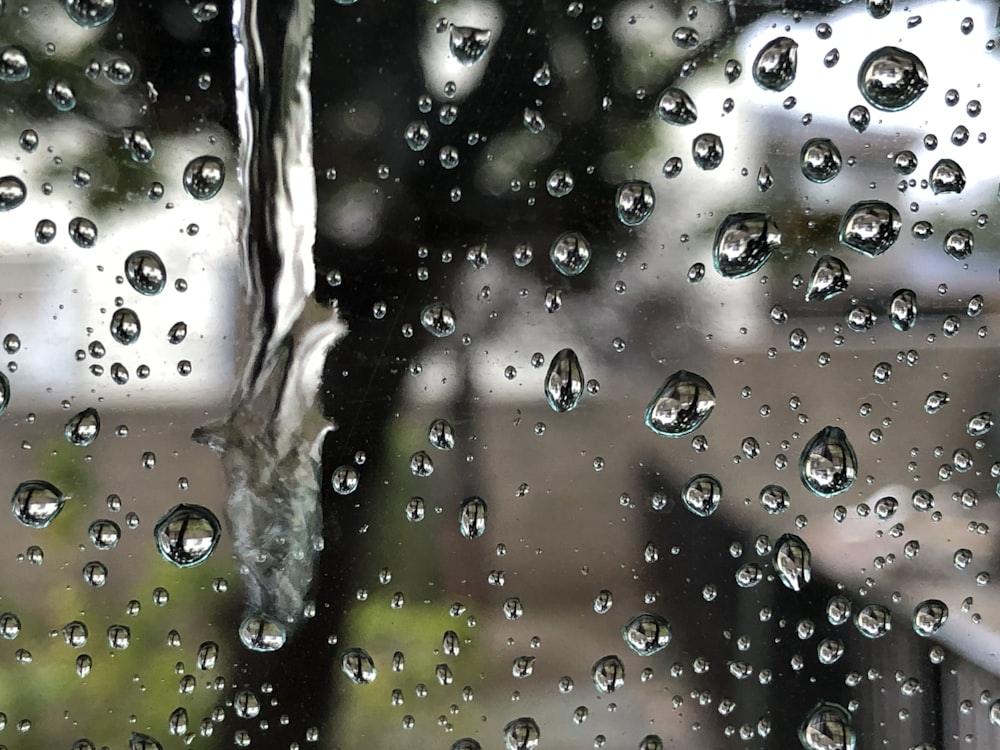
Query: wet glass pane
{"x": 491, "y": 374}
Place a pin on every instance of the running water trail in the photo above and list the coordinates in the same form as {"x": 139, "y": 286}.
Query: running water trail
{"x": 270, "y": 442}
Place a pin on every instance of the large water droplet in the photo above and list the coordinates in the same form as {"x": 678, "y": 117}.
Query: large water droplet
{"x": 469, "y": 44}
{"x": 959, "y": 243}
{"x": 60, "y": 94}
{"x": 870, "y": 227}
{"x": 125, "y": 327}
{"x": 570, "y": 253}
{"x": 609, "y": 674}
{"x": 187, "y": 535}
{"x": 827, "y": 726}
{"x": 774, "y": 67}
{"x": 438, "y": 319}
{"x": 820, "y": 160}
{"x": 681, "y": 405}
{"x": 702, "y": 494}
{"x": 138, "y": 740}
{"x": 417, "y": 135}
{"x": 472, "y": 517}
{"x": 903, "y": 309}
{"x": 828, "y": 465}
{"x": 634, "y": 202}
{"x": 892, "y": 79}
{"x": 138, "y": 145}
{"x": 676, "y": 107}
{"x": 873, "y": 621}
{"x": 707, "y": 151}
{"x": 36, "y": 503}
{"x": 564, "y": 381}
{"x": 830, "y": 276}
{"x": 15, "y": 64}
{"x": 145, "y": 272}
{"x": 466, "y": 743}
{"x": 521, "y": 734}
{"x": 358, "y": 666}
{"x": 259, "y": 632}
{"x": 646, "y": 634}
{"x": 947, "y": 176}
{"x": 774, "y": 499}
{"x": 743, "y": 243}
{"x": 203, "y": 177}
{"x": 792, "y": 561}
{"x": 12, "y": 192}
{"x": 83, "y": 428}
{"x": 90, "y": 14}
{"x": 441, "y": 435}
{"x": 83, "y": 232}
{"x": 979, "y": 424}
{"x": 929, "y": 616}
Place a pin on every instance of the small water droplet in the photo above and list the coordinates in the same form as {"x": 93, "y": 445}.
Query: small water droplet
{"x": 90, "y": 14}
{"x": 702, "y": 494}
{"x": 12, "y": 192}
{"x": 929, "y": 616}
{"x": 15, "y": 64}
{"x": 469, "y": 44}
{"x": 873, "y": 621}
{"x": 707, "y": 151}
{"x": 83, "y": 428}
{"x": 125, "y": 326}
{"x": 83, "y": 232}
{"x": 438, "y": 319}
{"x": 521, "y": 734}
{"x": 792, "y": 561}
{"x": 820, "y": 160}
{"x": 947, "y": 176}
{"x": 830, "y": 276}
{"x": 675, "y": 107}
{"x": 145, "y": 272}
{"x": 564, "y": 381}
{"x": 903, "y": 309}
{"x": 609, "y": 674}
{"x": 259, "y": 632}
{"x": 827, "y": 726}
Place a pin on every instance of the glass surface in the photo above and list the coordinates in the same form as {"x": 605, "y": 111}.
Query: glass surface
{"x": 473, "y": 374}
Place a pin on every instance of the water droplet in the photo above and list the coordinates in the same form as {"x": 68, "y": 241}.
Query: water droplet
{"x": 564, "y": 381}
{"x": 145, "y": 272}
{"x": 12, "y": 193}
{"x": 570, "y": 253}
{"x": 775, "y": 65}
{"x": 345, "y": 479}
{"x": 90, "y": 14}
{"x": 958, "y": 243}
{"x": 472, "y": 517}
{"x": 138, "y": 740}
{"x": 870, "y": 227}
{"x": 634, "y": 202}
{"x": 980, "y": 424}
{"x": 417, "y": 135}
{"x": 707, "y": 151}
{"x": 521, "y": 734}
{"x": 675, "y": 107}
{"x": 259, "y": 632}
{"x": 45, "y": 231}
{"x": 749, "y": 575}
{"x": 828, "y": 465}
{"x": 533, "y": 121}
{"x": 765, "y": 180}
{"x": 203, "y": 177}
{"x": 469, "y": 44}
{"x": 681, "y": 405}
{"x": 119, "y": 637}
{"x": 125, "y": 327}
{"x": 827, "y": 726}
{"x": 83, "y": 428}
{"x": 75, "y": 634}
{"x": 743, "y": 243}
{"x": 702, "y": 494}
{"x": 858, "y": 117}
{"x": 609, "y": 674}
{"x": 104, "y": 534}
{"x": 873, "y": 621}
{"x": 820, "y": 160}
{"x": 187, "y": 535}
{"x": 892, "y": 79}
{"x": 929, "y": 616}
{"x": 438, "y": 319}
{"x": 358, "y": 666}
{"x": 15, "y": 64}
{"x": 647, "y": 634}
{"x": 792, "y": 561}
{"x": 441, "y": 435}
{"x": 138, "y": 145}
{"x": 83, "y": 232}
{"x": 903, "y": 309}
{"x": 830, "y": 277}
{"x": 947, "y": 176}
{"x": 36, "y": 503}
{"x": 60, "y": 95}
{"x": 672, "y": 167}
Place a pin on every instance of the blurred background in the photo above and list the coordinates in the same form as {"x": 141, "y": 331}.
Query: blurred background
{"x": 453, "y": 144}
